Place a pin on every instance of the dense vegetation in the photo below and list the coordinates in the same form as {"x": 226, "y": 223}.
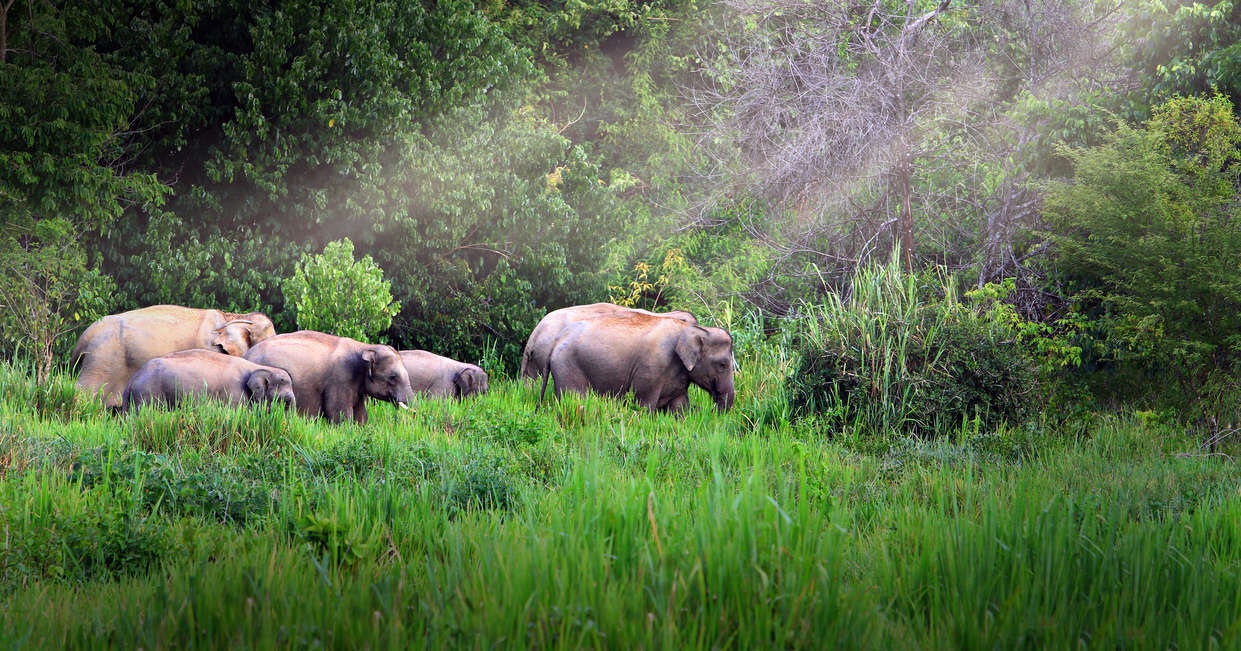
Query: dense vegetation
{"x": 589, "y": 523}
{"x": 979, "y": 262}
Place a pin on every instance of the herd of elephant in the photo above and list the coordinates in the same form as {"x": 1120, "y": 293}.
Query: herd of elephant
{"x": 166, "y": 353}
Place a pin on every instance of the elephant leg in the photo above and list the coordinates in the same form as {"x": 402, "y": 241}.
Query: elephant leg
{"x": 337, "y": 407}
{"x": 359, "y": 411}
{"x": 96, "y": 380}
{"x": 677, "y": 404}
{"x": 568, "y": 377}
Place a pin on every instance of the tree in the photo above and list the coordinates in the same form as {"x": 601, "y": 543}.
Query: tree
{"x": 66, "y": 146}
{"x": 334, "y": 293}
{"x": 1146, "y": 240}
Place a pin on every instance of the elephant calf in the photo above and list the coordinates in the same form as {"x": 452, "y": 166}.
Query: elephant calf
{"x": 169, "y": 379}
{"x": 112, "y": 349}
{"x": 333, "y": 376}
{"x": 441, "y": 377}
{"x": 655, "y": 358}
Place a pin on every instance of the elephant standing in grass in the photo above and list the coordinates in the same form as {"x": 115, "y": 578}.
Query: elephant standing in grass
{"x": 113, "y": 348}
{"x": 655, "y": 358}
{"x": 333, "y": 376}
{"x": 549, "y": 330}
{"x": 169, "y": 379}
{"x": 441, "y": 377}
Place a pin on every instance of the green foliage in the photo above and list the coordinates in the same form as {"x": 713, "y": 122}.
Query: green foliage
{"x": 334, "y": 293}
{"x": 1147, "y": 240}
{"x": 1185, "y": 47}
{"x": 902, "y": 354}
{"x": 597, "y": 524}
{"x": 65, "y": 123}
{"x": 65, "y": 141}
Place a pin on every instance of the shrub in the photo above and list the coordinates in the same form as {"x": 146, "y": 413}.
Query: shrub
{"x": 902, "y": 354}
{"x": 334, "y": 293}
{"x": 47, "y": 290}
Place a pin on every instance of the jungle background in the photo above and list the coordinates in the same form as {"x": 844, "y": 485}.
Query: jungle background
{"x": 981, "y": 262}
{"x": 1068, "y": 168}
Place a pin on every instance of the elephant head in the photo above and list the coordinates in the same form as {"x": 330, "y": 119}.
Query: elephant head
{"x": 469, "y": 381}
{"x": 271, "y": 385}
{"x": 681, "y": 315}
{"x": 707, "y": 354}
{"x": 238, "y": 334}
{"x": 386, "y": 377}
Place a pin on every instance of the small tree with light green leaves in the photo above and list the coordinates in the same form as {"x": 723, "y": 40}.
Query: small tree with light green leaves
{"x": 334, "y": 293}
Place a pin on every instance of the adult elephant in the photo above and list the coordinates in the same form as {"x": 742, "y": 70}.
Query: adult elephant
{"x": 549, "y": 330}
{"x": 333, "y": 376}
{"x": 442, "y": 377}
{"x": 654, "y": 358}
{"x": 169, "y": 379}
{"x": 113, "y": 348}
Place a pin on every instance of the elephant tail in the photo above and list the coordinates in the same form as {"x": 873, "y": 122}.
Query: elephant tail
{"x": 546, "y": 375}
{"x": 79, "y": 352}
{"x": 525, "y": 363}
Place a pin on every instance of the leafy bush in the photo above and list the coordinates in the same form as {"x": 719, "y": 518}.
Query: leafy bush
{"x": 902, "y": 354}
{"x": 484, "y": 485}
{"x": 334, "y": 293}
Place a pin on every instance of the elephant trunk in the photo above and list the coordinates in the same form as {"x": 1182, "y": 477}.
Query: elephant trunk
{"x": 724, "y": 394}
{"x": 406, "y": 396}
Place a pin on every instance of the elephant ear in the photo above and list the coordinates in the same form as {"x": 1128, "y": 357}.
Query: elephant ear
{"x": 259, "y": 384}
{"x": 368, "y": 357}
{"x": 689, "y": 347}
{"x": 463, "y": 381}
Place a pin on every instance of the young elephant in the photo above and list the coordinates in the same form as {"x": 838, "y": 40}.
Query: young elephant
{"x": 169, "y": 379}
{"x": 655, "y": 358}
{"x": 332, "y": 376}
{"x": 113, "y": 348}
{"x": 549, "y": 330}
{"x": 441, "y": 377}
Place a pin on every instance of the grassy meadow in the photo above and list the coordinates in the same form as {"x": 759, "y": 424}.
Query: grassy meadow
{"x": 589, "y": 523}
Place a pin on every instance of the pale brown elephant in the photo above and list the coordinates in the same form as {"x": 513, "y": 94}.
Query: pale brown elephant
{"x": 333, "y": 376}
{"x": 113, "y": 348}
{"x": 442, "y": 377}
{"x": 539, "y": 346}
{"x": 654, "y": 358}
{"x": 169, "y": 379}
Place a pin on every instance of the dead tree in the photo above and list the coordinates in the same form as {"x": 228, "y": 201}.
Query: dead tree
{"x": 853, "y": 118}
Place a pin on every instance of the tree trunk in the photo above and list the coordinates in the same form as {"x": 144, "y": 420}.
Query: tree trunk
{"x": 905, "y": 171}
{"x": 4, "y": 30}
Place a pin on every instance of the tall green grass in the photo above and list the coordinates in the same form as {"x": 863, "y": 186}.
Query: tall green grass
{"x": 901, "y": 353}
{"x": 590, "y": 523}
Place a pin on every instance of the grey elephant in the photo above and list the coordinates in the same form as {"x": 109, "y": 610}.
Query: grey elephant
{"x": 333, "y": 376}
{"x": 539, "y": 346}
{"x": 169, "y": 379}
{"x": 113, "y": 348}
{"x": 441, "y": 377}
{"x": 654, "y": 358}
